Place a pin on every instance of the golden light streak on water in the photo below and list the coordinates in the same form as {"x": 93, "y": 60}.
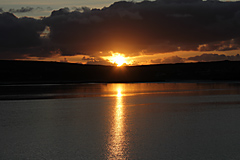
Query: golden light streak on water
{"x": 117, "y": 141}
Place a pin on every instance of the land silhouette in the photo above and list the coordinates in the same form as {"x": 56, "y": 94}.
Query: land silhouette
{"x": 39, "y": 72}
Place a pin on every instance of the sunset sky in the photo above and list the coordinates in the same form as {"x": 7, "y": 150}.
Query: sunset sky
{"x": 97, "y": 31}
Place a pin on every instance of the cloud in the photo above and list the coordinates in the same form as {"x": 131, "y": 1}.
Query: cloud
{"x": 1, "y": 10}
{"x": 155, "y": 27}
{"x": 19, "y": 32}
{"x": 200, "y": 58}
{"x": 29, "y": 9}
{"x": 20, "y": 36}
{"x": 21, "y": 10}
{"x": 88, "y": 59}
{"x": 131, "y": 28}
{"x": 97, "y": 61}
{"x": 156, "y": 61}
{"x": 232, "y": 44}
{"x": 81, "y": 9}
{"x": 214, "y": 57}
{"x": 167, "y": 60}
{"x": 173, "y": 59}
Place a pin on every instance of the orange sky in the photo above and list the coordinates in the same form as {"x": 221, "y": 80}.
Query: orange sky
{"x": 138, "y": 60}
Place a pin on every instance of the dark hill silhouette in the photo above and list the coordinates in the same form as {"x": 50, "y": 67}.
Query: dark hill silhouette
{"x": 18, "y": 72}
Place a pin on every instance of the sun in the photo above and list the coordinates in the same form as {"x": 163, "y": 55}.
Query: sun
{"x": 118, "y": 59}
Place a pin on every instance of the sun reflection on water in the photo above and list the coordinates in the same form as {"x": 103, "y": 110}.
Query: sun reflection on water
{"x": 117, "y": 138}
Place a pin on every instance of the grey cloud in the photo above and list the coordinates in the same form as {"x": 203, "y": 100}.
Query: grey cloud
{"x": 21, "y": 10}
{"x": 49, "y": 8}
{"x": 81, "y": 9}
{"x": 88, "y": 59}
{"x": 153, "y": 27}
{"x": 19, "y": 35}
{"x": 131, "y": 15}
{"x": 173, "y": 59}
{"x": 39, "y": 8}
{"x": 202, "y": 58}
{"x": 98, "y": 61}
{"x": 1, "y": 10}
{"x": 146, "y": 27}
{"x": 29, "y": 9}
{"x": 168, "y": 60}
{"x": 180, "y": 15}
{"x": 19, "y": 32}
{"x": 214, "y": 57}
{"x": 232, "y": 44}
{"x": 180, "y": 1}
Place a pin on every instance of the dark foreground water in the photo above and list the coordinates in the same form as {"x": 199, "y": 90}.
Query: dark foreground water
{"x": 178, "y": 121}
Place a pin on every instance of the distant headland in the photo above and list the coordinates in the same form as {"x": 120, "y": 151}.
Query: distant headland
{"x": 39, "y": 72}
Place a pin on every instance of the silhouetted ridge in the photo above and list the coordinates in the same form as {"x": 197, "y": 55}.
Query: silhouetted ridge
{"x": 14, "y": 72}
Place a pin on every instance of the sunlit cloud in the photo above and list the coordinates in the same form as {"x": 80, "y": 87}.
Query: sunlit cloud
{"x": 117, "y": 59}
{"x": 148, "y": 32}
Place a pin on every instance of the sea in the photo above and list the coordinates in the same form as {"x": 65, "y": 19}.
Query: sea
{"x": 149, "y": 121}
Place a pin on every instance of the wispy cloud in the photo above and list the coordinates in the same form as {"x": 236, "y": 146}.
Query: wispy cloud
{"x": 21, "y": 10}
{"x": 28, "y": 9}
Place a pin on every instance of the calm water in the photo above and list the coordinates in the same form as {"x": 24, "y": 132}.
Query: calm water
{"x": 177, "y": 121}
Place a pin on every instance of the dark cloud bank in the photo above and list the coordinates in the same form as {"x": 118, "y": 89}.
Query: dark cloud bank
{"x": 146, "y": 27}
{"x": 202, "y": 58}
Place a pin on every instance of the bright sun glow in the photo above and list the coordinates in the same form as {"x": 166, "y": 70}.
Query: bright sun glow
{"x": 118, "y": 59}
{"x": 119, "y": 92}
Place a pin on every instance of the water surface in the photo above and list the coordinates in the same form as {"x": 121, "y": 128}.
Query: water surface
{"x": 120, "y": 121}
